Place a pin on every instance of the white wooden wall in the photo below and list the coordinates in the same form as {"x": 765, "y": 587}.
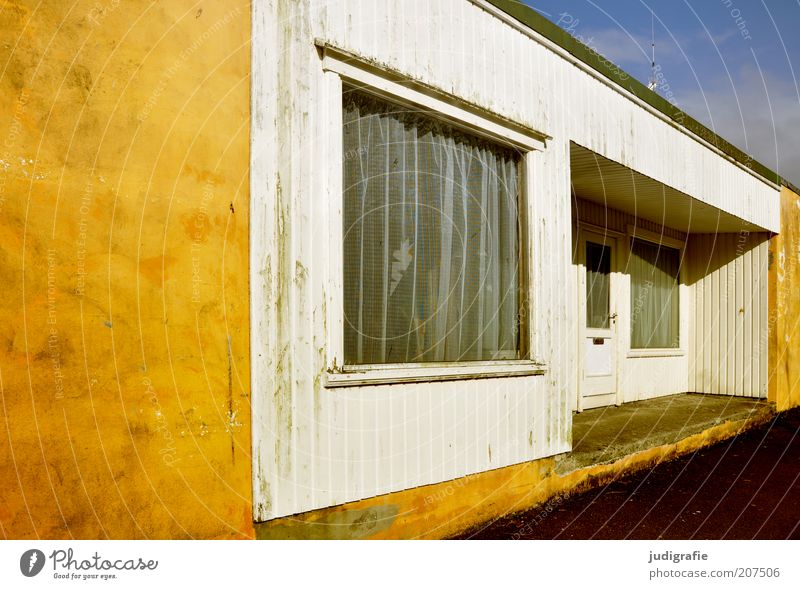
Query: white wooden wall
{"x": 458, "y": 47}
{"x": 315, "y": 447}
{"x": 728, "y": 341}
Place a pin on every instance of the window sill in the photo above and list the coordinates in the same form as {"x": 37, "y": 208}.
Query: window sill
{"x": 656, "y": 353}
{"x": 353, "y": 376}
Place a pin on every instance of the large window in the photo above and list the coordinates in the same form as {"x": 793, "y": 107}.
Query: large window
{"x": 431, "y": 239}
{"x": 655, "y": 277}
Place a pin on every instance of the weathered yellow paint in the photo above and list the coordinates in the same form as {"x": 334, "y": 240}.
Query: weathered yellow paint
{"x": 124, "y": 140}
{"x": 784, "y": 306}
{"x": 449, "y": 508}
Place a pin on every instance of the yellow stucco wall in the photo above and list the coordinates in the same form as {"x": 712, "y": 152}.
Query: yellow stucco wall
{"x": 124, "y": 130}
{"x": 784, "y": 306}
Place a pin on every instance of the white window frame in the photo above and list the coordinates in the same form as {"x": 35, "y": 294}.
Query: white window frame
{"x": 339, "y": 68}
{"x": 683, "y": 326}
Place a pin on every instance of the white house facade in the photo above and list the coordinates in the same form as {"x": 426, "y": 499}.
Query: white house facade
{"x": 462, "y": 233}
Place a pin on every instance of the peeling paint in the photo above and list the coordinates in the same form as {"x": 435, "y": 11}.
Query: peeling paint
{"x": 522, "y": 486}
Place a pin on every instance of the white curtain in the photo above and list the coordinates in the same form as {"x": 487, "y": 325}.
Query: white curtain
{"x": 655, "y": 273}
{"x": 431, "y": 240}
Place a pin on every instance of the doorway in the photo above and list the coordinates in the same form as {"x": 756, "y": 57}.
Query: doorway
{"x": 598, "y": 337}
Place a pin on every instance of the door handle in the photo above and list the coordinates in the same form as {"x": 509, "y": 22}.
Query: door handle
{"x": 613, "y": 316}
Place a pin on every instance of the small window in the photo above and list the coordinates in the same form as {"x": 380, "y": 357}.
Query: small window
{"x": 655, "y": 276}
{"x": 431, "y": 239}
{"x": 598, "y": 278}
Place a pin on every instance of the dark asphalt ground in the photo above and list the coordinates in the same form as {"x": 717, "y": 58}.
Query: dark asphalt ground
{"x": 745, "y": 488}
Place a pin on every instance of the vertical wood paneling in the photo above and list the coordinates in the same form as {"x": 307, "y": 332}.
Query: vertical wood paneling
{"x": 331, "y": 415}
{"x": 408, "y": 42}
{"x": 695, "y": 316}
{"x": 738, "y": 380}
{"x": 724, "y": 342}
{"x": 747, "y": 324}
{"x": 730, "y": 313}
{"x": 715, "y": 303}
{"x": 263, "y": 179}
{"x": 708, "y": 314}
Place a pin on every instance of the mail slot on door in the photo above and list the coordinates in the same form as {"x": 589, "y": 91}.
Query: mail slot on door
{"x": 598, "y": 341}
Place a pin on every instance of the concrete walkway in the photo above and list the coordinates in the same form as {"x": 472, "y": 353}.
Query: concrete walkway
{"x": 605, "y": 435}
{"x": 746, "y": 487}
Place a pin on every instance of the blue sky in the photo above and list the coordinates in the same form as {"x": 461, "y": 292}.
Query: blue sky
{"x": 732, "y": 64}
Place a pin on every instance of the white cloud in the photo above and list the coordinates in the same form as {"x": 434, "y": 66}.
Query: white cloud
{"x": 718, "y": 40}
{"x": 627, "y": 48}
{"x": 764, "y": 122}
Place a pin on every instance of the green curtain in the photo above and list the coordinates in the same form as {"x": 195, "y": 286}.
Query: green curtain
{"x": 655, "y": 276}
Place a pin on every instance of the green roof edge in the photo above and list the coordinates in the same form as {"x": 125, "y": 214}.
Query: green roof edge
{"x": 551, "y": 31}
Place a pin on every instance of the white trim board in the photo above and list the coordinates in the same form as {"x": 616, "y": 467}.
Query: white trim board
{"x": 386, "y": 83}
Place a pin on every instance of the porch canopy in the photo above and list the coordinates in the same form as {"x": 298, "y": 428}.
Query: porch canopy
{"x": 613, "y": 185}
{"x": 716, "y": 262}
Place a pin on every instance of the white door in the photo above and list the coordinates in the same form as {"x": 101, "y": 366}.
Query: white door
{"x": 598, "y": 333}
